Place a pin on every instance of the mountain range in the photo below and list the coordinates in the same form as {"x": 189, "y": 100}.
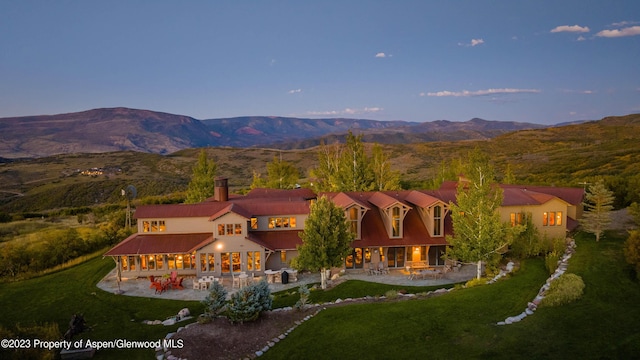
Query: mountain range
{"x": 121, "y": 129}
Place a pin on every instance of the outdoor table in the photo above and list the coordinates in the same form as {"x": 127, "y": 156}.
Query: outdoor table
{"x": 204, "y": 283}
{"x": 244, "y": 280}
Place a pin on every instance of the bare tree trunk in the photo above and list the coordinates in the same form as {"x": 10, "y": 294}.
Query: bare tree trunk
{"x": 479, "y": 273}
{"x": 323, "y": 278}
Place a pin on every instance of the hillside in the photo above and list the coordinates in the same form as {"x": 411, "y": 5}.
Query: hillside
{"x": 122, "y": 129}
{"x": 563, "y": 156}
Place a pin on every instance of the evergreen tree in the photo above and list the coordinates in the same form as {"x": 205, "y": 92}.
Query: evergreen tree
{"x": 478, "y": 233}
{"x": 281, "y": 174}
{"x": 202, "y": 183}
{"x": 598, "y": 203}
{"x": 326, "y": 239}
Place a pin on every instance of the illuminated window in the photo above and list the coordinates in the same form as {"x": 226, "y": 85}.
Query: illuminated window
{"x": 395, "y": 222}
{"x": 545, "y": 219}
{"x": 559, "y": 218}
{"x": 437, "y": 221}
{"x": 220, "y": 229}
{"x": 254, "y": 223}
{"x": 517, "y": 219}
{"x": 160, "y": 262}
{"x": 154, "y": 226}
{"x": 253, "y": 261}
{"x": 353, "y": 217}
{"x": 237, "y": 229}
{"x": 282, "y": 222}
{"x": 283, "y": 256}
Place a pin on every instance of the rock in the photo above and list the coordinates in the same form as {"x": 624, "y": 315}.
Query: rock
{"x": 169, "y": 322}
{"x": 184, "y": 313}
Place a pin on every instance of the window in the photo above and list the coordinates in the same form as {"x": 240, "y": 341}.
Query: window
{"x": 437, "y": 221}
{"x": 143, "y": 262}
{"x": 124, "y": 261}
{"x": 229, "y": 229}
{"x": 203, "y": 262}
{"x": 152, "y": 262}
{"x": 160, "y": 261}
{"x": 253, "y": 261}
{"x": 283, "y": 256}
{"x": 395, "y": 222}
{"x": 254, "y": 223}
{"x": 517, "y": 219}
{"x": 171, "y": 261}
{"x": 211, "y": 262}
{"x": 436, "y": 255}
{"x": 552, "y": 218}
{"x": 132, "y": 263}
{"x": 353, "y": 219}
{"x": 282, "y": 222}
{"x": 153, "y": 226}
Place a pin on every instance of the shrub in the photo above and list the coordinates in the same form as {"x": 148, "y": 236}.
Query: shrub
{"x": 476, "y": 282}
{"x": 391, "y": 294}
{"x": 551, "y": 261}
{"x": 563, "y": 290}
{"x": 304, "y": 297}
{"x": 249, "y": 302}
{"x": 632, "y": 250}
{"x": 215, "y": 301}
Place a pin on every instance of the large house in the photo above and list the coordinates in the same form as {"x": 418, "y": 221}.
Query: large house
{"x": 260, "y": 230}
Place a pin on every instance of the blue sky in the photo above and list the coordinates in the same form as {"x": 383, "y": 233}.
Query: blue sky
{"x": 531, "y": 61}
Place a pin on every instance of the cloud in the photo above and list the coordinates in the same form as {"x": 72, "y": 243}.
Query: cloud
{"x": 628, "y": 31}
{"x": 466, "y": 93}
{"x": 346, "y": 111}
{"x": 572, "y": 28}
{"x": 473, "y": 42}
{"x": 581, "y": 38}
{"x": 623, "y": 23}
{"x": 381, "y": 55}
{"x": 295, "y": 91}
{"x": 570, "y": 91}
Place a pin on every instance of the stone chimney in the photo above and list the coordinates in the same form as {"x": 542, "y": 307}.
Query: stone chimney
{"x": 221, "y": 191}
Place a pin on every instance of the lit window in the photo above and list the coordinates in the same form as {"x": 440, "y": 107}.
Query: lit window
{"x": 437, "y": 221}
{"x": 254, "y": 223}
{"x": 545, "y": 219}
{"x": 220, "y": 229}
{"x": 395, "y": 222}
{"x": 559, "y": 218}
{"x": 237, "y": 229}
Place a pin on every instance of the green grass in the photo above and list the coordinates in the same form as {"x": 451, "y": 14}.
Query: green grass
{"x": 461, "y": 325}
{"x": 603, "y": 324}
{"x": 56, "y": 297}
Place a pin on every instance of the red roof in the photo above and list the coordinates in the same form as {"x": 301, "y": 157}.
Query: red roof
{"x": 144, "y": 244}
{"x": 277, "y": 240}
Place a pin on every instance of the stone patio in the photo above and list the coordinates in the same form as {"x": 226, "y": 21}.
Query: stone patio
{"x": 140, "y": 286}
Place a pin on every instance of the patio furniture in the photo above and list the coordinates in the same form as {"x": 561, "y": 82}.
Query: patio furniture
{"x": 196, "y": 284}
{"x": 157, "y": 285}
{"x": 236, "y": 281}
{"x": 293, "y": 275}
{"x": 177, "y": 284}
{"x": 270, "y": 276}
{"x": 382, "y": 269}
{"x": 243, "y": 280}
{"x": 174, "y": 276}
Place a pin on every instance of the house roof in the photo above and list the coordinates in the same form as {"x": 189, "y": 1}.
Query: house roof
{"x": 145, "y": 244}
{"x": 346, "y": 200}
{"x": 276, "y": 240}
{"x": 235, "y": 208}
{"x": 421, "y": 199}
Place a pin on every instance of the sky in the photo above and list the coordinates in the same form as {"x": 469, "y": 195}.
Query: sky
{"x": 539, "y": 61}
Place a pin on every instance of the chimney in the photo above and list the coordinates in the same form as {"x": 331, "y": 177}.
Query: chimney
{"x": 221, "y": 191}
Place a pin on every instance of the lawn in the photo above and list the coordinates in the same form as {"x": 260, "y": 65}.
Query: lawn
{"x": 462, "y": 324}
{"x": 54, "y": 298}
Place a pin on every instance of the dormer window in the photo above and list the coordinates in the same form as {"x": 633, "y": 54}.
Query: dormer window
{"x": 437, "y": 220}
{"x": 396, "y": 222}
{"x": 352, "y": 217}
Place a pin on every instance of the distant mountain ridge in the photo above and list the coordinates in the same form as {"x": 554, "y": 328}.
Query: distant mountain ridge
{"x": 121, "y": 129}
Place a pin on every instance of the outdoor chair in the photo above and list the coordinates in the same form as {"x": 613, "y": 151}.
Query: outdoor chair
{"x": 157, "y": 285}
{"x": 236, "y": 281}
{"x": 196, "y": 284}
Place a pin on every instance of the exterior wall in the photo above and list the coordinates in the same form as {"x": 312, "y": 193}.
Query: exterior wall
{"x": 221, "y": 246}
{"x": 537, "y": 211}
{"x": 274, "y": 262}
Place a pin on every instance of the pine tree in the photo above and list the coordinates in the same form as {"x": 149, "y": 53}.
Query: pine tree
{"x": 326, "y": 239}
{"x": 202, "y": 185}
{"x": 598, "y": 203}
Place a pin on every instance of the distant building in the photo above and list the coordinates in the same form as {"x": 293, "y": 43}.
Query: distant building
{"x": 260, "y": 230}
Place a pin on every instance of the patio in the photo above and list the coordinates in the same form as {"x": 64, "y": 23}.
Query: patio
{"x": 140, "y": 286}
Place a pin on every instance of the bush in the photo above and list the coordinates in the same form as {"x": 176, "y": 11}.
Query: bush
{"x": 551, "y": 261}
{"x": 304, "y": 297}
{"x": 563, "y": 290}
{"x": 215, "y": 301}
{"x": 632, "y": 250}
{"x": 476, "y": 282}
{"x": 391, "y": 294}
{"x": 249, "y": 302}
